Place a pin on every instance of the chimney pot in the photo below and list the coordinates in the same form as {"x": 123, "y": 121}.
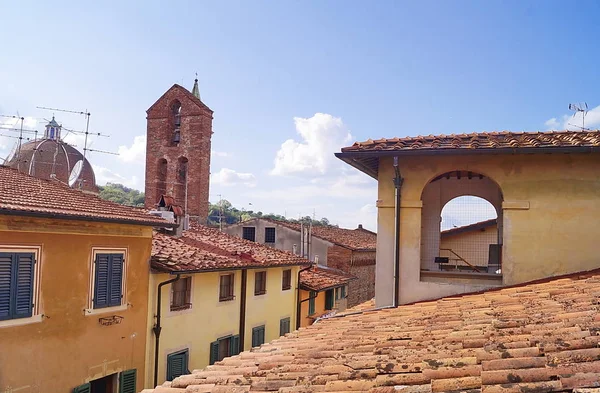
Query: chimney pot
{"x": 360, "y": 226}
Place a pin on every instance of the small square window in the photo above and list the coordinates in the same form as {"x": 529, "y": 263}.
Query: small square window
{"x": 224, "y": 347}
{"x": 249, "y": 233}
{"x": 258, "y": 336}
{"x": 284, "y": 326}
{"x": 181, "y": 294}
{"x": 269, "y": 235}
{"x": 260, "y": 283}
{"x": 226, "y": 287}
{"x": 286, "y": 281}
{"x": 177, "y": 364}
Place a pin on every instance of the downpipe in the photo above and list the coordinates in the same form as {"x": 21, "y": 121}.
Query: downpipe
{"x": 157, "y": 328}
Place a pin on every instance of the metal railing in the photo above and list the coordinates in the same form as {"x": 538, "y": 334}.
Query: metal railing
{"x": 459, "y": 258}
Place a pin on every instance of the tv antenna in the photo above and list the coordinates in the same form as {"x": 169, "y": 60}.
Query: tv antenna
{"x": 20, "y": 137}
{"x": 579, "y": 108}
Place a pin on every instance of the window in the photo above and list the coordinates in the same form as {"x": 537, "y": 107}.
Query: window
{"x": 284, "y": 326}
{"x": 181, "y": 294}
{"x": 258, "y": 336}
{"x": 16, "y": 284}
{"x": 337, "y": 293}
{"x": 249, "y": 233}
{"x": 177, "y": 364}
{"x": 311, "y": 303}
{"x": 286, "y": 281}
{"x": 161, "y": 179}
{"x": 108, "y": 280}
{"x": 329, "y": 299}
{"x": 223, "y": 347}
{"x": 343, "y": 292}
{"x": 269, "y": 235}
{"x": 260, "y": 283}
{"x": 176, "y": 113}
{"x": 127, "y": 381}
{"x": 226, "y": 287}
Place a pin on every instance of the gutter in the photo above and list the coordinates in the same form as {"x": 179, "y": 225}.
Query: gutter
{"x": 157, "y": 328}
{"x": 243, "y": 309}
{"x": 398, "y": 180}
{"x": 299, "y": 302}
{"x": 10, "y": 212}
{"x": 225, "y": 269}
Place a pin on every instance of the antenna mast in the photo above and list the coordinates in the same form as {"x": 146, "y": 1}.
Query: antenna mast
{"x": 579, "y": 108}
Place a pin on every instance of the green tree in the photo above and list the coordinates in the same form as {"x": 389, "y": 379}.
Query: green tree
{"x": 120, "y": 194}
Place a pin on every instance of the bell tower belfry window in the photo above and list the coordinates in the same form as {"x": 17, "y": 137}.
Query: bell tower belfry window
{"x": 52, "y": 130}
{"x": 176, "y": 114}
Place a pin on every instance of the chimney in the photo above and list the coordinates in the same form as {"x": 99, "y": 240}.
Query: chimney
{"x": 316, "y": 259}
{"x": 360, "y": 226}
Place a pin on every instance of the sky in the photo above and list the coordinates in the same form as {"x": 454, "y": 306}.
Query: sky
{"x": 291, "y": 82}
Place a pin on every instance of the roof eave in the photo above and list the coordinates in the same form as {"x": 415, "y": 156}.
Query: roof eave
{"x": 250, "y": 267}
{"x": 11, "y": 212}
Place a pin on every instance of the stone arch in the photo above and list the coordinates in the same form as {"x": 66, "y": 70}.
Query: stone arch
{"x": 161, "y": 178}
{"x": 175, "y": 135}
{"x": 444, "y": 188}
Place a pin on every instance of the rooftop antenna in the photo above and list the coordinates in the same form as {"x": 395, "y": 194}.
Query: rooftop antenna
{"x": 579, "y": 108}
{"x": 17, "y": 152}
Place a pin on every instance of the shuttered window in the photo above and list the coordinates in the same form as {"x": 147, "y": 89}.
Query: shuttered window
{"x": 284, "y": 326}
{"x": 224, "y": 347}
{"x": 127, "y": 381}
{"x": 177, "y": 364}
{"x": 85, "y": 388}
{"x": 181, "y": 294}
{"x": 329, "y": 299}
{"x": 344, "y": 292}
{"x": 16, "y": 284}
{"x": 226, "y": 287}
{"x": 311, "y": 302}
{"x": 258, "y": 336}
{"x": 108, "y": 280}
{"x": 286, "y": 281}
{"x": 260, "y": 283}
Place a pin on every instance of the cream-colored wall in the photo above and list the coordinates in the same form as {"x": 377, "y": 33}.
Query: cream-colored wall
{"x": 209, "y": 319}
{"x": 473, "y": 246}
{"x": 550, "y": 211}
{"x": 64, "y": 346}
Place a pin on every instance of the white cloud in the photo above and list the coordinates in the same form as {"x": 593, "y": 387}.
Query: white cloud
{"x": 322, "y": 135}
{"x": 220, "y": 153}
{"x": 134, "y": 153}
{"x": 105, "y": 175}
{"x": 229, "y": 177}
{"x": 570, "y": 122}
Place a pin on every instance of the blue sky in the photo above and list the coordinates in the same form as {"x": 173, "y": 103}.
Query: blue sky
{"x": 292, "y": 82}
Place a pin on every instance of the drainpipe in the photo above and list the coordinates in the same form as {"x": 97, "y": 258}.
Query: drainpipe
{"x": 299, "y": 305}
{"x": 157, "y": 328}
{"x": 398, "y": 180}
{"x": 243, "y": 309}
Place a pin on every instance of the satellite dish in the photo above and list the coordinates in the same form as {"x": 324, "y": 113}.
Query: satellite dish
{"x": 75, "y": 172}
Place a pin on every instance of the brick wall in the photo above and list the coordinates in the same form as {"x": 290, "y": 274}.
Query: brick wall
{"x": 358, "y": 263}
{"x": 195, "y": 136}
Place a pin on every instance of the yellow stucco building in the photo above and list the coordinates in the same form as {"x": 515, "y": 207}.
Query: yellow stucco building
{"x": 220, "y": 295}
{"x": 73, "y": 289}
{"x": 544, "y": 187}
{"x": 323, "y": 291}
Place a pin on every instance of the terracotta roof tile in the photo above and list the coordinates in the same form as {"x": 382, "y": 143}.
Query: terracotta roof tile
{"x": 27, "y": 195}
{"x": 460, "y": 343}
{"x": 354, "y": 239}
{"x": 482, "y": 140}
{"x": 319, "y": 278}
{"x": 205, "y": 249}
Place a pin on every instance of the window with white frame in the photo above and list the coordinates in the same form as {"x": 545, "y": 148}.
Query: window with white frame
{"x": 19, "y": 273}
{"x": 108, "y": 278}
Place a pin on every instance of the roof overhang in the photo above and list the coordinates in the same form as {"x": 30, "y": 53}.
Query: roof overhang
{"x": 223, "y": 269}
{"x": 368, "y": 161}
{"x": 24, "y": 213}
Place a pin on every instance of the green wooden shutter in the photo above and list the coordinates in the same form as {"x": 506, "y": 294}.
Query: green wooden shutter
{"x": 329, "y": 299}
{"x": 127, "y": 381}
{"x": 284, "y": 326}
{"x": 311, "y": 302}
{"x": 177, "y": 364}
{"x": 235, "y": 345}
{"x": 116, "y": 280}
{"x": 101, "y": 290}
{"x": 24, "y": 270}
{"x": 5, "y": 285}
{"x": 85, "y": 388}
{"x": 258, "y": 336}
{"x": 214, "y": 352}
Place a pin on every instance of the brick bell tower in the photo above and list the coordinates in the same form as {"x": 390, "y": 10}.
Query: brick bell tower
{"x": 179, "y": 129}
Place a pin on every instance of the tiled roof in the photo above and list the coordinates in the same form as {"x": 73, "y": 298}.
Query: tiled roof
{"x": 538, "y": 337}
{"x": 482, "y": 140}
{"x": 354, "y": 239}
{"x": 471, "y": 227}
{"x": 206, "y": 249}
{"x": 21, "y": 194}
{"x": 365, "y": 155}
{"x": 319, "y": 278}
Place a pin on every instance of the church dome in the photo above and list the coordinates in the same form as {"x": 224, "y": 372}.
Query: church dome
{"x": 52, "y": 158}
